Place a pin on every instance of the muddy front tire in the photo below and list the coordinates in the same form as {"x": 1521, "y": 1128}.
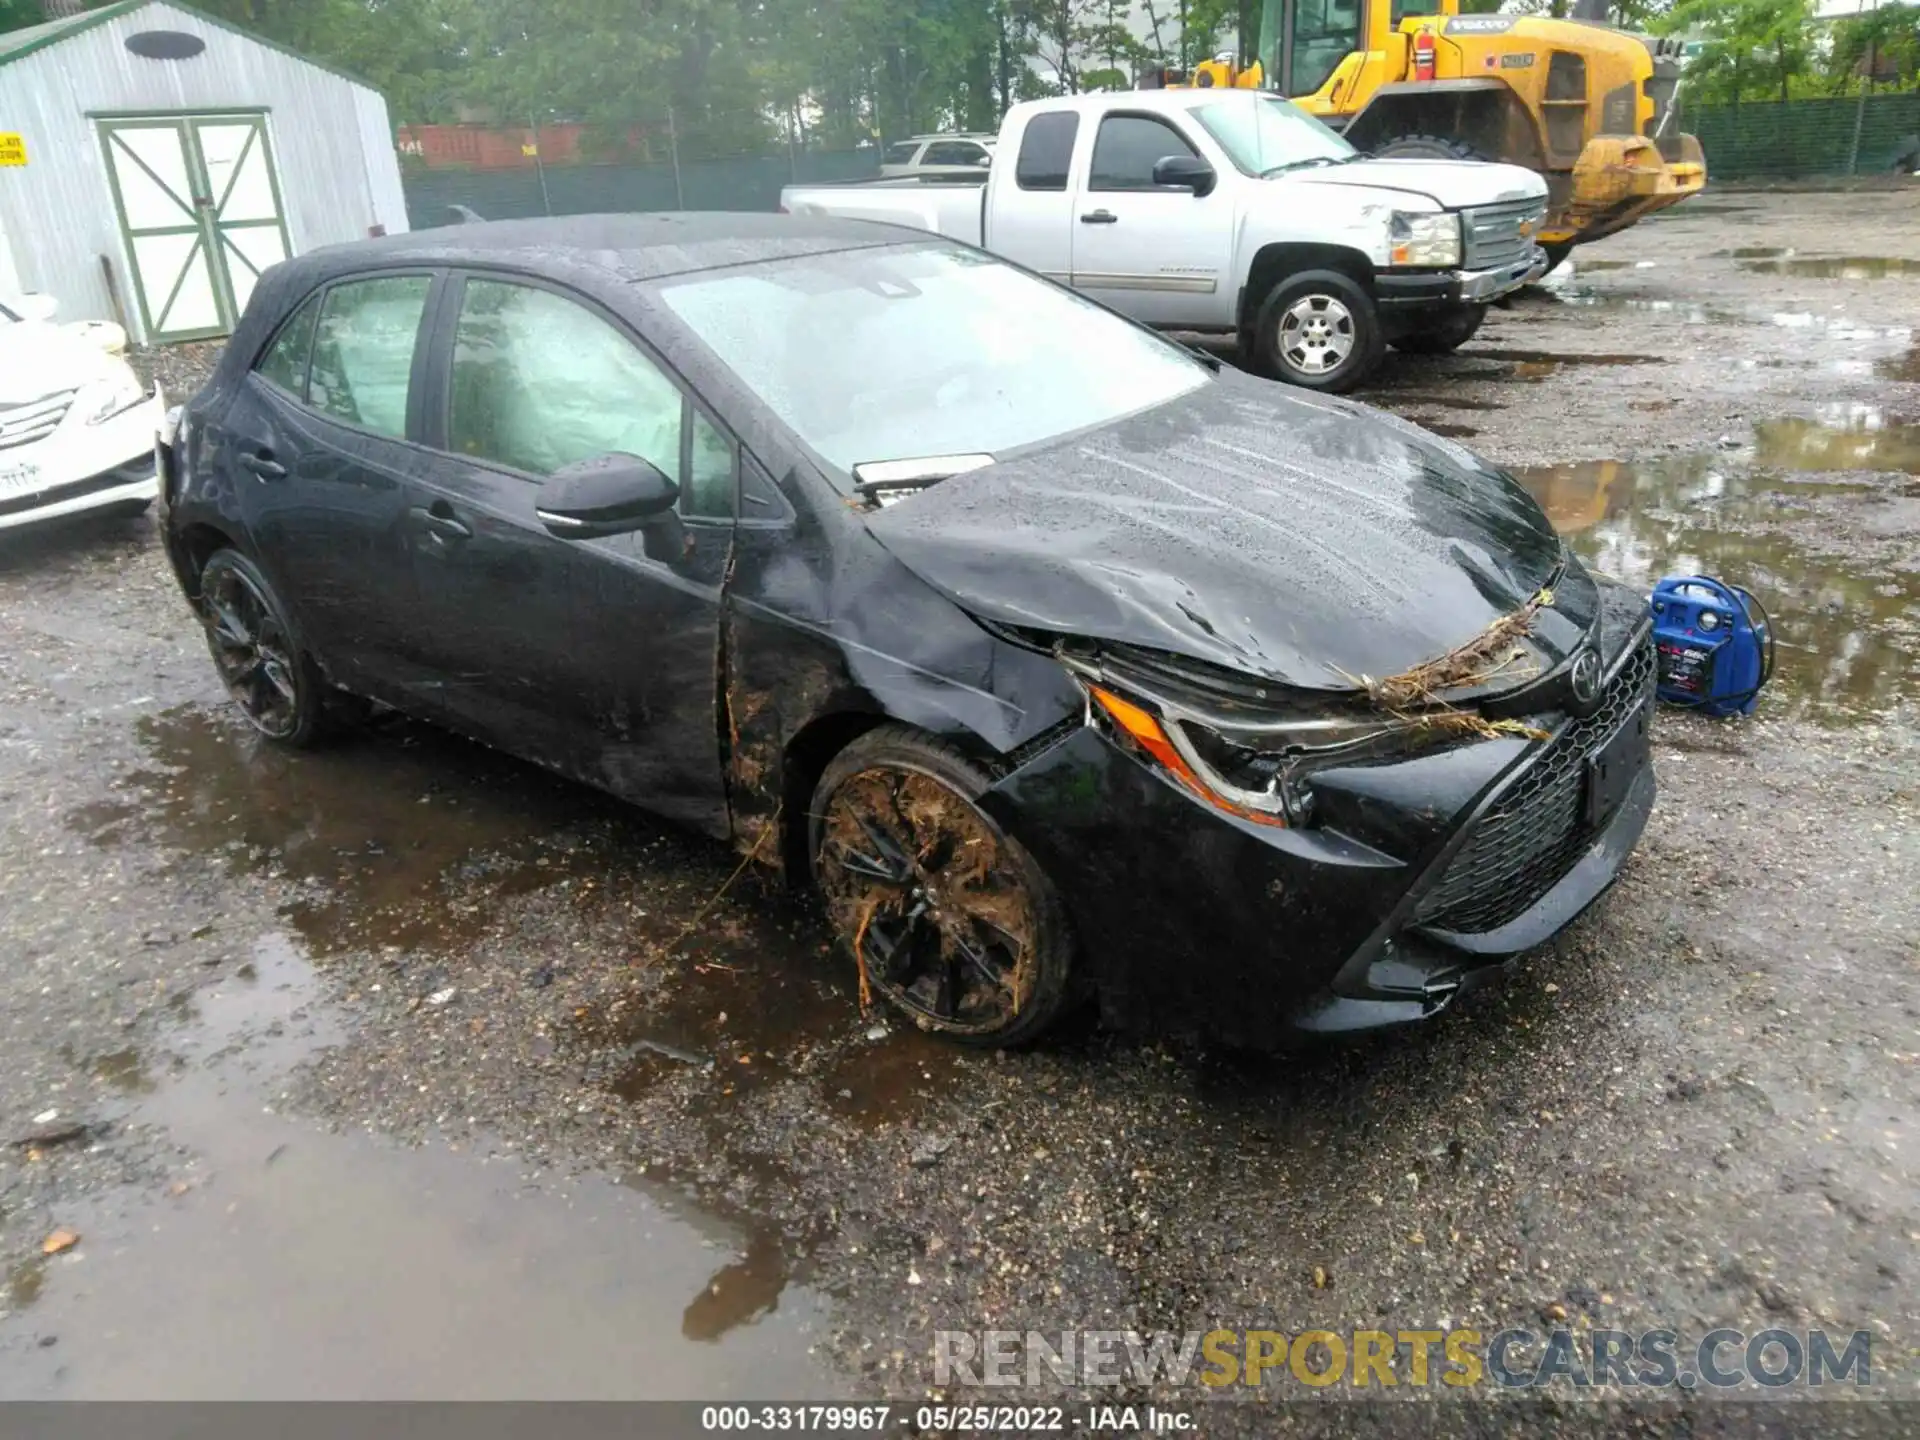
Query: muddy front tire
{"x": 1319, "y": 330}
{"x": 258, "y": 654}
{"x": 946, "y": 915}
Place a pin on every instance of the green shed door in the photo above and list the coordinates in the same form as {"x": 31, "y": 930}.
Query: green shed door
{"x": 200, "y": 213}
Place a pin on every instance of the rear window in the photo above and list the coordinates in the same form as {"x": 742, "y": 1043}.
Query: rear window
{"x": 903, "y": 153}
{"x": 1046, "y": 151}
{"x": 363, "y": 351}
{"x": 285, "y": 362}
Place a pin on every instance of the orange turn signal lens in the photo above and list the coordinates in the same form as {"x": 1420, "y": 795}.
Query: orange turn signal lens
{"x": 1145, "y": 730}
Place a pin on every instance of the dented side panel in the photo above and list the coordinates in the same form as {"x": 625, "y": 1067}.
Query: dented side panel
{"x": 823, "y": 627}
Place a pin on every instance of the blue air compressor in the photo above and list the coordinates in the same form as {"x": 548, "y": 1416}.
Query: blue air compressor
{"x": 1714, "y": 644}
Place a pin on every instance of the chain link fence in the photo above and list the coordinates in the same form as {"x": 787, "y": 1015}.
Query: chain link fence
{"x": 1806, "y": 139}
{"x": 517, "y": 177}
{"x": 1799, "y": 139}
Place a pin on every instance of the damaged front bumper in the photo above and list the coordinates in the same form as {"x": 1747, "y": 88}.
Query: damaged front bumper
{"x": 1396, "y": 290}
{"x": 1420, "y": 876}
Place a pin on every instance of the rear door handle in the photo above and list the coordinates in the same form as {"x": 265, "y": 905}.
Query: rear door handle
{"x": 1100, "y": 217}
{"x": 262, "y": 463}
{"x": 439, "y": 521}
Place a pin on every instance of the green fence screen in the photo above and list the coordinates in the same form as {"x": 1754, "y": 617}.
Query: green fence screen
{"x": 745, "y": 183}
{"x": 1803, "y": 138}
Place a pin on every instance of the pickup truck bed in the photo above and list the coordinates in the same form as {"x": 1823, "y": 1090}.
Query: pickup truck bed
{"x": 955, "y": 208}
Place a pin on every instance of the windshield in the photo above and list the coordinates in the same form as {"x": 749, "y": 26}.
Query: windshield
{"x": 912, "y": 351}
{"x": 1270, "y": 133}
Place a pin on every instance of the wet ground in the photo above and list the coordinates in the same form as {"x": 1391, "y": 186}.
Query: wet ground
{"x": 403, "y": 1070}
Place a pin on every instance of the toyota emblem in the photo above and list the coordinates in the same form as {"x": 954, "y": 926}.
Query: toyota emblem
{"x": 1585, "y": 679}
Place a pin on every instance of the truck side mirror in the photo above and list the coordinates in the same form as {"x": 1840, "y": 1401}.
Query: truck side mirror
{"x": 1184, "y": 172}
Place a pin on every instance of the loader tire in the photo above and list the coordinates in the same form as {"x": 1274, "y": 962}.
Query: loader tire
{"x": 1427, "y": 147}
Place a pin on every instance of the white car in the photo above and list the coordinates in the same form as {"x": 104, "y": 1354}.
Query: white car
{"x": 938, "y": 155}
{"x": 77, "y": 426}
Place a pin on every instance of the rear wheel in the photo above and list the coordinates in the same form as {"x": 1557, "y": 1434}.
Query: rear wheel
{"x": 948, "y": 917}
{"x": 1319, "y": 330}
{"x": 257, "y": 652}
{"x": 1444, "y": 333}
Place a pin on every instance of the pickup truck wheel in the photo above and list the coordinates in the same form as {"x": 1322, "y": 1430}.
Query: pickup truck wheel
{"x": 1444, "y": 334}
{"x": 1319, "y": 330}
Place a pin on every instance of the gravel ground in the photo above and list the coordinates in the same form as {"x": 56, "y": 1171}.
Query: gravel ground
{"x": 403, "y": 1070}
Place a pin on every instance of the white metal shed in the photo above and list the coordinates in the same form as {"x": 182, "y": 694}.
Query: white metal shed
{"x": 154, "y": 160}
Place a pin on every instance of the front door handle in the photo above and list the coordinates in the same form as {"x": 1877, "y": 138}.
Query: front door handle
{"x": 262, "y": 464}
{"x": 439, "y": 521}
{"x": 1100, "y": 217}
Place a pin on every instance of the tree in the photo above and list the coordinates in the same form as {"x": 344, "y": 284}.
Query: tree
{"x": 1879, "y": 47}
{"x": 1754, "y": 48}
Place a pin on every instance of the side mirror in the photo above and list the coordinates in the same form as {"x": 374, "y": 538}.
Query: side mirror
{"x": 607, "y": 495}
{"x": 1184, "y": 172}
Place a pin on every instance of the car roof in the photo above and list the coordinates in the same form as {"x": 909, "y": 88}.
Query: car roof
{"x": 631, "y": 247}
{"x": 1163, "y": 101}
{"x": 600, "y": 255}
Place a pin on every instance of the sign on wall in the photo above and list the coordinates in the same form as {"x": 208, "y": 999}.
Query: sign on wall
{"x": 13, "y": 149}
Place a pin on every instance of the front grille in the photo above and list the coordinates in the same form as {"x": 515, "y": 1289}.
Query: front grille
{"x": 37, "y": 419}
{"x": 1495, "y": 236}
{"x": 1537, "y": 830}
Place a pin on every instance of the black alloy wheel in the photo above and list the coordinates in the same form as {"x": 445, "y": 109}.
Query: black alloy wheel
{"x": 256, "y": 652}
{"x": 948, "y": 917}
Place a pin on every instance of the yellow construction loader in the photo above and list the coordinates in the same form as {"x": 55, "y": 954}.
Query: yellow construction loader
{"x": 1589, "y": 107}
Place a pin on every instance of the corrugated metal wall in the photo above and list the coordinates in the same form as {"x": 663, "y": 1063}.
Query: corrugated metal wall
{"x": 332, "y": 146}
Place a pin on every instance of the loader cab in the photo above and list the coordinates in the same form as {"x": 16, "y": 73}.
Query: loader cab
{"x": 1326, "y": 54}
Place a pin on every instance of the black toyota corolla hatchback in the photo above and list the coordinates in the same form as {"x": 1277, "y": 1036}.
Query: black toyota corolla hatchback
{"x": 1062, "y": 661}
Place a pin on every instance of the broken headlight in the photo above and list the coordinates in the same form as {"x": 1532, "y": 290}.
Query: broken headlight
{"x": 1418, "y": 239}
{"x": 1257, "y": 770}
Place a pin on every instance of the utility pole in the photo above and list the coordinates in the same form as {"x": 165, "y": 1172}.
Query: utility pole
{"x": 1860, "y": 110}
{"x": 540, "y": 166}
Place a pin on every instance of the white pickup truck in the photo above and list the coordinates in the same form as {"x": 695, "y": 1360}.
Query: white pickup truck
{"x": 1233, "y": 211}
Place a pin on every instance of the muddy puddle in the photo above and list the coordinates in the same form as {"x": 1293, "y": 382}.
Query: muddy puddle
{"x": 281, "y": 1261}
{"x": 1847, "y": 624}
{"x": 414, "y": 858}
{"x": 404, "y": 836}
{"x": 1853, "y": 267}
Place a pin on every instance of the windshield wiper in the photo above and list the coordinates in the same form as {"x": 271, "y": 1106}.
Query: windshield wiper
{"x": 1302, "y": 164}
{"x": 878, "y": 479}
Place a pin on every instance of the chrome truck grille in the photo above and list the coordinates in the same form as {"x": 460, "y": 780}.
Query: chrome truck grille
{"x": 35, "y": 420}
{"x": 1496, "y": 236}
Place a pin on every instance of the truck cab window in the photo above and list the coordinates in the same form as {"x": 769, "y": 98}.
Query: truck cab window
{"x": 1046, "y": 151}
{"x": 1127, "y": 148}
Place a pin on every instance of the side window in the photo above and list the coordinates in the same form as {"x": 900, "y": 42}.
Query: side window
{"x": 539, "y": 382}
{"x": 708, "y": 492}
{"x": 285, "y": 362}
{"x": 363, "y": 351}
{"x": 1325, "y": 33}
{"x": 1128, "y": 147}
{"x": 954, "y": 152}
{"x": 1046, "y": 151}
{"x": 901, "y": 154}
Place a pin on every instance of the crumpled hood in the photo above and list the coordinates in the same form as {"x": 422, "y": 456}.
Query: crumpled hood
{"x": 1450, "y": 184}
{"x": 38, "y": 359}
{"x": 1282, "y": 535}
